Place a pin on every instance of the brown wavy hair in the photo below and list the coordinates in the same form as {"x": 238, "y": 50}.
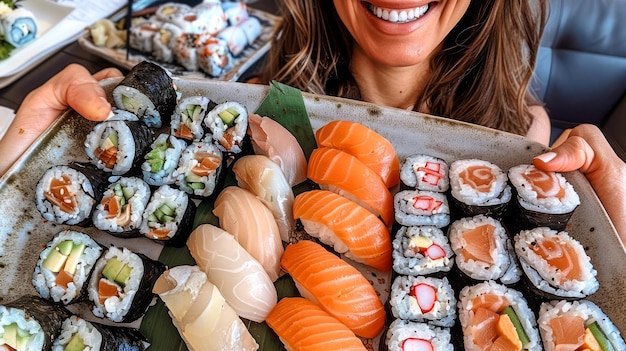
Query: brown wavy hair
{"x": 480, "y": 76}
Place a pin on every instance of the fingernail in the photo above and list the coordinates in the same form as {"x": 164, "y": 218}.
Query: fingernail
{"x": 547, "y": 157}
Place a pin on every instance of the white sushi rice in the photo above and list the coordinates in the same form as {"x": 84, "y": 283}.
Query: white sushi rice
{"x": 218, "y": 129}
{"x": 531, "y": 200}
{"x": 10, "y": 315}
{"x": 137, "y": 204}
{"x": 188, "y": 161}
{"x": 405, "y": 306}
{"x": 172, "y": 156}
{"x": 407, "y": 214}
{"x": 548, "y": 278}
{"x": 90, "y": 336}
{"x": 401, "y": 330}
{"x": 499, "y": 191}
{"x": 196, "y": 126}
{"x": 421, "y": 171}
{"x": 407, "y": 260}
{"x": 125, "y": 149}
{"x": 164, "y": 195}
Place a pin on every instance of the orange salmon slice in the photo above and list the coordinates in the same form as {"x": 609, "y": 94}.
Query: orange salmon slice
{"x": 484, "y": 325}
{"x": 478, "y": 177}
{"x": 559, "y": 255}
{"x": 479, "y": 242}
{"x": 60, "y": 196}
{"x": 568, "y": 332}
{"x": 208, "y": 164}
{"x": 545, "y": 184}
{"x": 492, "y": 302}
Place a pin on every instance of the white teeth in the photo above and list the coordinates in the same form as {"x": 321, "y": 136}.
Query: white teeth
{"x": 397, "y": 16}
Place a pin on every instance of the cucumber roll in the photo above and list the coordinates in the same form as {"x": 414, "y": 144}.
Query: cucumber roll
{"x": 415, "y": 207}
{"x": 495, "y": 317}
{"x": 228, "y": 124}
{"x": 120, "y": 286}
{"x": 64, "y": 266}
{"x": 18, "y": 26}
{"x": 577, "y": 325}
{"x": 68, "y": 194}
{"x": 188, "y": 116}
{"x": 162, "y": 159}
{"x": 168, "y": 218}
{"x": 118, "y": 146}
{"x": 200, "y": 169}
{"x": 30, "y": 323}
{"x": 423, "y": 299}
{"x": 78, "y": 334}
{"x": 424, "y": 172}
{"x": 556, "y": 264}
{"x": 120, "y": 211}
{"x": 404, "y": 335}
{"x": 148, "y": 92}
{"x": 421, "y": 250}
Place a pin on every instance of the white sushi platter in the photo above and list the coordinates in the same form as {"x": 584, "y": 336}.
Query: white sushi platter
{"x": 23, "y": 231}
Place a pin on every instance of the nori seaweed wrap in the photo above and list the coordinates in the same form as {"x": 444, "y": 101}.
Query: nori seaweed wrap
{"x": 80, "y": 333}
{"x": 147, "y": 91}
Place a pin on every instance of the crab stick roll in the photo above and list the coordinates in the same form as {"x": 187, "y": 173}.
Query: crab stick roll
{"x": 168, "y": 217}
{"x": 214, "y": 58}
{"x": 483, "y": 249}
{"x": 30, "y": 323}
{"x": 121, "y": 209}
{"x": 415, "y": 207}
{"x": 421, "y": 250}
{"x": 228, "y": 125}
{"x": 405, "y": 335}
{"x": 544, "y": 199}
{"x": 68, "y": 194}
{"x": 80, "y": 334}
{"x": 423, "y": 299}
{"x": 201, "y": 169}
{"x": 162, "y": 159}
{"x": 555, "y": 263}
{"x": 120, "y": 286}
{"x": 577, "y": 325}
{"x": 425, "y": 172}
{"x": 493, "y": 316}
{"x": 188, "y": 116}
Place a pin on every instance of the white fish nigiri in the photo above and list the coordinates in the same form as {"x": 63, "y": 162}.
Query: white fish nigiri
{"x": 252, "y": 224}
{"x": 240, "y": 278}
{"x": 265, "y": 179}
{"x": 202, "y": 316}
{"x": 271, "y": 139}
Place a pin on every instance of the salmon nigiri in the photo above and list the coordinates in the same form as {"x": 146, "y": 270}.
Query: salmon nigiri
{"x": 364, "y": 143}
{"x": 336, "y": 285}
{"x": 301, "y": 324}
{"x": 345, "y": 174}
{"x": 346, "y": 226}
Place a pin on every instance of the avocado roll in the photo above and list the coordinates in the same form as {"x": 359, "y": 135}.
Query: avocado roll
{"x": 168, "y": 218}
{"x": 424, "y": 172}
{"x": 415, "y": 207}
{"x": 423, "y": 299}
{"x": 421, "y": 250}
{"x": 30, "y": 323}
{"x": 64, "y": 266}
{"x": 188, "y": 117}
{"x": 404, "y": 335}
{"x": 67, "y": 194}
{"x": 200, "y": 170}
{"x": 118, "y": 146}
{"x": 121, "y": 209}
{"x": 148, "y": 92}
{"x": 228, "y": 125}
{"x": 162, "y": 159}
{"x": 78, "y": 334}
{"x": 120, "y": 286}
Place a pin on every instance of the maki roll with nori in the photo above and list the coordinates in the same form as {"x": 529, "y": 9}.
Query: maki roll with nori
{"x": 148, "y": 92}
{"x": 577, "y": 325}
{"x": 188, "y": 117}
{"x": 228, "y": 125}
{"x": 424, "y": 172}
{"x": 120, "y": 286}
{"x": 78, "y": 334}
{"x": 168, "y": 218}
{"x": 67, "y": 194}
{"x": 120, "y": 211}
{"x": 415, "y": 207}
{"x": 556, "y": 264}
{"x": 162, "y": 159}
{"x": 404, "y": 335}
{"x": 200, "y": 169}
{"x": 18, "y": 26}
{"x": 423, "y": 299}
{"x": 118, "y": 146}
{"x": 64, "y": 266}
{"x": 30, "y": 323}
{"x": 421, "y": 250}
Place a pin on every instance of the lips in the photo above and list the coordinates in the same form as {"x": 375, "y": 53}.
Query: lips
{"x": 399, "y": 15}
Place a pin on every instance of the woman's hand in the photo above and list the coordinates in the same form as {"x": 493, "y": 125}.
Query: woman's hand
{"x": 585, "y": 148}
{"x": 73, "y": 87}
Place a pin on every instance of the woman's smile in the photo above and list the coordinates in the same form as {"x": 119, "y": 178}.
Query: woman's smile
{"x": 398, "y": 15}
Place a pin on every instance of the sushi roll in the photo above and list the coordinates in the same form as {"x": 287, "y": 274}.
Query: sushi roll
{"x": 67, "y": 194}
{"x": 80, "y": 334}
{"x": 423, "y": 299}
{"x": 209, "y": 18}
{"x": 228, "y": 124}
{"x": 544, "y": 199}
{"x": 64, "y": 267}
{"x": 118, "y": 146}
{"x": 236, "y": 39}
{"x": 214, "y": 58}
{"x": 404, "y": 335}
{"x": 30, "y": 323}
{"x": 162, "y": 159}
{"x": 185, "y": 49}
{"x": 495, "y": 316}
{"x": 120, "y": 286}
{"x": 556, "y": 264}
{"x": 235, "y": 12}
{"x": 188, "y": 117}
{"x": 171, "y": 11}
{"x": 478, "y": 187}
{"x": 148, "y": 92}
{"x": 141, "y": 34}
{"x": 424, "y": 172}
{"x": 200, "y": 170}
{"x": 483, "y": 250}
{"x": 252, "y": 28}
{"x": 121, "y": 209}
{"x": 415, "y": 207}
{"x": 168, "y": 217}
{"x": 421, "y": 250}
{"x": 163, "y": 42}
{"x": 18, "y": 27}
{"x": 577, "y": 325}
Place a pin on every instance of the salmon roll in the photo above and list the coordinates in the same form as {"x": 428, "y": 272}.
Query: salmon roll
{"x": 415, "y": 207}
{"x": 577, "y": 325}
{"x": 200, "y": 170}
{"x": 483, "y": 250}
{"x": 421, "y": 250}
{"x": 120, "y": 211}
{"x": 494, "y": 316}
{"x": 425, "y": 172}
{"x": 556, "y": 264}
{"x": 405, "y": 335}
{"x": 423, "y": 299}
{"x": 188, "y": 116}
{"x": 228, "y": 124}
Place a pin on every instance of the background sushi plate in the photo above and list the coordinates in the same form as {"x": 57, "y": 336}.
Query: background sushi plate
{"x": 23, "y": 232}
